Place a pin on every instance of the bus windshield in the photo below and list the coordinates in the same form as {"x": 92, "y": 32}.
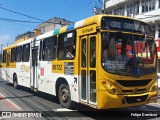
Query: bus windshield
{"x": 128, "y": 54}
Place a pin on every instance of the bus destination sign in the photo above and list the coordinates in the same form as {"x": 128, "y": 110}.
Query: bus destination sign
{"x": 125, "y": 24}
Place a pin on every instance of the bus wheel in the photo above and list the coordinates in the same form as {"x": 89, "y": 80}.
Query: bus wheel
{"x": 64, "y": 96}
{"x": 15, "y": 83}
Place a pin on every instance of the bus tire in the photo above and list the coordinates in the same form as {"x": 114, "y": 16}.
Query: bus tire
{"x": 64, "y": 96}
{"x": 15, "y": 83}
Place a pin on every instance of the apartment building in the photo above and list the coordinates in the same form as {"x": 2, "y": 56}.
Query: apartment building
{"x": 42, "y": 28}
{"x": 145, "y": 10}
{"x": 52, "y": 24}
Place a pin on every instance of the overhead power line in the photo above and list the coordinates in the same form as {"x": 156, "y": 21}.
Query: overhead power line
{"x": 21, "y": 14}
{"x": 15, "y": 28}
{"x": 100, "y": 2}
{"x": 13, "y": 20}
{"x": 73, "y": 6}
{"x": 79, "y": 7}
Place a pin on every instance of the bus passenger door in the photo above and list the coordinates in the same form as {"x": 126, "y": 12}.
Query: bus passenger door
{"x": 34, "y": 68}
{"x": 88, "y": 69}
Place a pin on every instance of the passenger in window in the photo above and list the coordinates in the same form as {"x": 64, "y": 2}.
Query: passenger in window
{"x": 61, "y": 54}
{"x": 112, "y": 49}
{"x": 70, "y": 52}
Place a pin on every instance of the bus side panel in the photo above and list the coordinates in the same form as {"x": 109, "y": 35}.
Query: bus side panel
{"x": 67, "y": 70}
{"x": 22, "y": 76}
{"x": 4, "y": 74}
{"x": 10, "y": 74}
{"x": 46, "y": 80}
{"x": 18, "y": 73}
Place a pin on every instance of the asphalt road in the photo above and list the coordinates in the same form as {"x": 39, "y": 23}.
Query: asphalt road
{"x": 31, "y": 106}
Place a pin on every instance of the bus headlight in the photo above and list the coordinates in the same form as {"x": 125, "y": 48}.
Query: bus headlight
{"x": 154, "y": 87}
{"x": 110, "y": 87}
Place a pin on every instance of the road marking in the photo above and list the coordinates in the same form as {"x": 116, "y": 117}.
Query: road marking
{"x": 9, "y": 102}
{"x": 63, "y": 109}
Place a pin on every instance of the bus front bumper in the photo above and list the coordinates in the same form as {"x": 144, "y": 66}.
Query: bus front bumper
{"x": 107, "y": 101}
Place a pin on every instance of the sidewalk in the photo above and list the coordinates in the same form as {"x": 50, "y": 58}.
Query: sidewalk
{"x": 7, "y": 105}
{"x": 4, "y": 106}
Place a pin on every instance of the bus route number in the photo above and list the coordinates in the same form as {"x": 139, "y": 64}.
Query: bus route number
{"x": 57, "y": 67}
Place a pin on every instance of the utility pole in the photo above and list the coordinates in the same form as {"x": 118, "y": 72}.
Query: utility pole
{"x": 104, "y": 6}
{"x": 96, "y": 9}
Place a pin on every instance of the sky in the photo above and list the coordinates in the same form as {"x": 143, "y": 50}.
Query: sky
{"x": 72, "y": 10}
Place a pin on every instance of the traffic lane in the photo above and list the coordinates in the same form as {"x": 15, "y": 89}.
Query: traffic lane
{"x": 29, "y": 101}
{"x": 7, "y": 104}
{"x": 44, "y": 102}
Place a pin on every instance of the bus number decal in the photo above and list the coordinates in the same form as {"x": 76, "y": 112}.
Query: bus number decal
{"x": 57, "y": 67}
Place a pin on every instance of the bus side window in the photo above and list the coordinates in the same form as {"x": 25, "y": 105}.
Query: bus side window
{"x": 4, "y": 56}
{"x": 66, "y": 45}
{"x": 93, "y": 52}
{"x": 49, "y": 48}
{"x": 19, "y": 54}
{"x": 13, "y": 55}
{"x": 40, "y": 51}
{"x": 26, "y": 52}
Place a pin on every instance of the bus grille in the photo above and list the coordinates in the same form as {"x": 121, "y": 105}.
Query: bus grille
{"x": 138, "y": 91}
{"x": 133, "y": 83}
{"x": 136, "y": 99}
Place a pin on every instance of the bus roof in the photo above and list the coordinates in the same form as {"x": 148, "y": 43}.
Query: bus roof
{"x": 87, "y": 21}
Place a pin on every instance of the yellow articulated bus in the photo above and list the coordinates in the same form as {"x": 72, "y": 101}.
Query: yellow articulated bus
{"x": 103, "y": 61}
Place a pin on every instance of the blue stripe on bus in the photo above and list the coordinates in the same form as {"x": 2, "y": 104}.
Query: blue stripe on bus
{"x": 70, "y": 27}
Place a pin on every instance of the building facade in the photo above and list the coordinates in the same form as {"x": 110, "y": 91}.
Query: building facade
{"x": 52, "y": 24}
{"x": 24, "y": 36}
{"x": 145, "y": 10}
{"x": 47, "y": 26}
